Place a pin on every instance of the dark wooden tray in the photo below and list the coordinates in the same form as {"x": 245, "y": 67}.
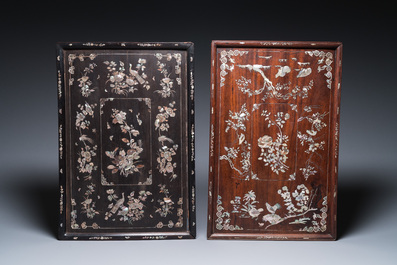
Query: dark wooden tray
{"x": 126, "y": 140}
{"x": 274, "y": 140}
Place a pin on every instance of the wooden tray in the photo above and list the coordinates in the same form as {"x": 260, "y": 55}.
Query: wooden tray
{"x": 274, "y": 140}
{"x": 126, "y": 140}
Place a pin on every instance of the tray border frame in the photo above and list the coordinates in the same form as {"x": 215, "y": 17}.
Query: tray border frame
{"x": 334, "y": 141}
{"x": 63, "y": 142}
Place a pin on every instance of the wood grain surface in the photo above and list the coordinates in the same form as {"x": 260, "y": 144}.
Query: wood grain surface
{"x": 274, "y": 140}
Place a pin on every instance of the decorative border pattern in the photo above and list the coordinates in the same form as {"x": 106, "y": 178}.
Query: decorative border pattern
{"x": 336, "y": 140}
{"x": 319, "y": 221}
{"x": 325, "y": 62}
{"x": 227, "y": 57}
{"x": 223, "y": 218}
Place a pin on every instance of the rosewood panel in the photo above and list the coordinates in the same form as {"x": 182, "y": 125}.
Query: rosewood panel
{"x": 274, "y": 140}
{"x": 126, "y": 140}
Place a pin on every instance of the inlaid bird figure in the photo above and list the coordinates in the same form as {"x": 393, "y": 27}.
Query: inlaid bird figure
{"x": 274, "y": 208}
{"x": 258, "y": 68}
{"x": 136, "y": 75}
{"x": 118, "y": 204}
{"x": 163, "y": 138}
{"x": 86, "y": 138}
{"x": 304, "y": 72}
{"x": 283, "y": 70}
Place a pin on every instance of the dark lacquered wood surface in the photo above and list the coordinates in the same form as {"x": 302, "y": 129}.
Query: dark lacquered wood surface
{"x": 126, "y": 130}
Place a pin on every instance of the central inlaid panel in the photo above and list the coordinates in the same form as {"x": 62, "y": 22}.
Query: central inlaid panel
{"x": 126, "y": 138}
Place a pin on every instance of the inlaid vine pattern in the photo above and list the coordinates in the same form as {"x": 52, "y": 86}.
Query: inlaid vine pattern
{"x": 122, "y": 82}
{"x": 298, "y": 204}
{"x": 126, "y": 161}
{"x": 168, "y": 149}
{"x": 282, "y": 91}
{"x": 85, "y": 83}
{"x": 86, "y": 166}
{"x": 274, "y": 148}
{"x": 319, "y": 220}
{"x": 227, "y": 62}
{"x": 311, "y": 139}
{"x": 274, "y": 152}
{"x": 223, "y": 218}
{"x": 324, "y": 64}
{"x": 167, "y": 83}
{"x": 299, "y": 207}
{"x": 166, "y": 203}
{"x": 128, "y": 208}
{"x": 239, "y": 157}
{"x": 81, "y": 57}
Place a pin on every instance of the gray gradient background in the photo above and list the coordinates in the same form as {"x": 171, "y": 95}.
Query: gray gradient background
{"x": 28, "y": 114}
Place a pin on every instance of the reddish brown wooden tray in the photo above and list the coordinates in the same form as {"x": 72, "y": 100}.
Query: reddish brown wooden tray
{"x": 274, "y": 140}
{"x": 126, "y": 140}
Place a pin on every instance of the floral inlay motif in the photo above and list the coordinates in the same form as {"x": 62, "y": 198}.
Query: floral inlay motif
{"x": 88, "y": 205}
{"x": 325, "y": 63}
{"x": 126, "y": 161}
{"x": 133, "y": 211}
{"x": 84, "y": 82}
{"x": 166, "y": 152}
{"x": 85, "y": 163}
{"x": 297, "y": 206}
{"x": 319, "y": 220}
{"x": 242, "y": 152}
{"x": 243, "y": 83}
{"x": 248, "y": 208}
{"x": 223, "y": 218}
{"x": 122, "y": 83}
{"x": 166, "y": 203}
{"x": 284, "y": 91}
{"x": 310, "y": 138}
{"x": 274, "y": 152}
{"x": 166, "y": 82}
{"x": 226, "y": 57}
{"x": 278, "y": 91}
{"x": 179, "y": 213}
{"x": 274, "y": 148}
{"x": 237, "y": 119}
{"x": 81, "y": 57}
